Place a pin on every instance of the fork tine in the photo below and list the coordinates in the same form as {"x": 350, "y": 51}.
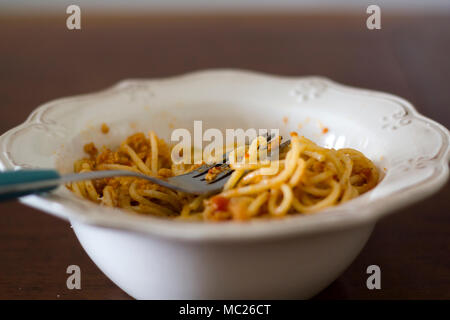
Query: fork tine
{"x": 203, "y": 171}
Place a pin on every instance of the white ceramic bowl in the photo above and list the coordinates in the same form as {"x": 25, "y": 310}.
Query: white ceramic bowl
{"x": 153, "y": 258}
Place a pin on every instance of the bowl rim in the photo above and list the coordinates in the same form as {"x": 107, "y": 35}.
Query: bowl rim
{"x": 294, "y": 225}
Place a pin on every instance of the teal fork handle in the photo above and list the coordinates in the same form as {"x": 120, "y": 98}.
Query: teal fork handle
{"x": 14, "y": 184}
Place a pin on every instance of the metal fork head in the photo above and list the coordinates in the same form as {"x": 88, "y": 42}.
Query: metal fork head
{"x": 193, "y": 182}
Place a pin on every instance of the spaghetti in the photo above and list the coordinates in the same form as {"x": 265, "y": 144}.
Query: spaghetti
{"x": 306, "y": 178}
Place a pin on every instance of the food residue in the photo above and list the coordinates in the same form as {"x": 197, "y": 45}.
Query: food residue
{"x": 220, "y": 203}
{"x": 105, "y": 128}
{"x": 91, "y": 150}
{"x": 213, "y": 173}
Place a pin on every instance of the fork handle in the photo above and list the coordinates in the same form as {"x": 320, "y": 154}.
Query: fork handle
{"x": 14, "y": 184}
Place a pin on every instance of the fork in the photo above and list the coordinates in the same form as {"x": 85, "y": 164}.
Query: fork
{"x": 14, "y": 184}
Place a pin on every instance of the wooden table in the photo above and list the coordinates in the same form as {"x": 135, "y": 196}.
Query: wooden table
{"x": 41, "y": 60}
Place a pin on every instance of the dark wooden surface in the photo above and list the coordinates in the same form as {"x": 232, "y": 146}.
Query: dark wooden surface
{"x": 41, "y": 60}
